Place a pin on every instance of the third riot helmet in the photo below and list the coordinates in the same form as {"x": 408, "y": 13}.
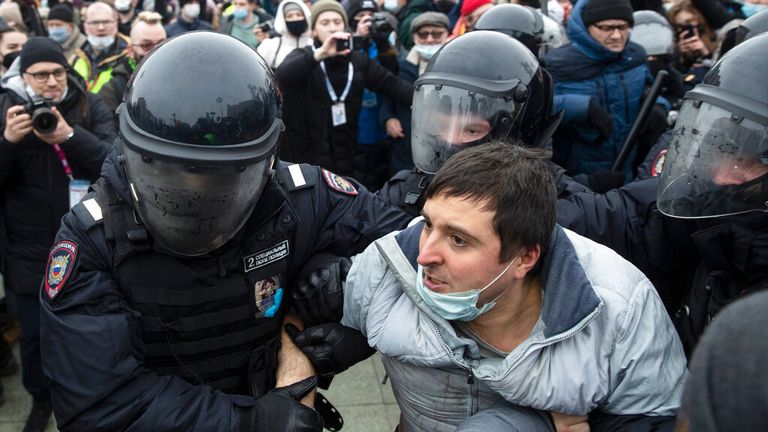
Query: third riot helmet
{"x": 717, "y": 164}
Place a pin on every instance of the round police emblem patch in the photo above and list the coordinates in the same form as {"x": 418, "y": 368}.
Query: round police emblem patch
{"x": 658, "y": 163}
{"x": 60, "y": 264}
{"x": 339, "y": 183}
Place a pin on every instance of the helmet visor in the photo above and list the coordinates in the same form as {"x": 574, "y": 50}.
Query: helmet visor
{"x": 193, "y": 210}
{"x": 448, "y": 119}
{"x": 717, "y": 165}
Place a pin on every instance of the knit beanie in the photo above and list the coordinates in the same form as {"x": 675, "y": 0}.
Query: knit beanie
{"x": 356, "y": 6}
{"x": 599, "y": 10}
{"x": 62, "y": 12}
{"x": 325, "y": 6}
{"x": 470, "y": 6}
{"x": 41, "y": 49}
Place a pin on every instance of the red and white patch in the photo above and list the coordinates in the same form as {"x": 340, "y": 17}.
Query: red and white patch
{"x": 658, "y": 163}
{"x": 61, "y": 261}
{"x": 339, "y": 183}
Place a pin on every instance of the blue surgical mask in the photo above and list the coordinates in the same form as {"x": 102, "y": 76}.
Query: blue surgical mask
{"x": 59, "y": 34}
{"x": 426, "y": 51}
{"x": 460, "y": 306}
{"x": 239, "y": 13}
{"x": 749, "y": 9}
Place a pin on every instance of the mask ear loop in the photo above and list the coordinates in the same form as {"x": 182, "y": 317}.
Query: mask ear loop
{"x": 494, "y": 281}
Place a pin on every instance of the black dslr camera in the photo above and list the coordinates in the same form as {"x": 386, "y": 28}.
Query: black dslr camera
{"x": 43, "y": 119}
{"x": 380, "y": 27}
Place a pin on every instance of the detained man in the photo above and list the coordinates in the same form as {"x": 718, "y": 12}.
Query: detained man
{"x": 490, "y": 316}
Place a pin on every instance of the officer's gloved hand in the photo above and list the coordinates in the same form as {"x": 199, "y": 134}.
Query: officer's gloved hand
{"x": 280, "y": 409}
{"x": 604, "y": 180}
{"x": 332, "y": 348}
{"x": 599, "y": 118}
{"x": 318, "y": 295}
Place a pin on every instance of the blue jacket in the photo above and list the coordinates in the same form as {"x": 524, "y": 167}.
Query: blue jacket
{"x": 584, "y": 70}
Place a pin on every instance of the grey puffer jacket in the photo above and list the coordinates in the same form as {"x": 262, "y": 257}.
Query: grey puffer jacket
{"x": 603, "y": 340}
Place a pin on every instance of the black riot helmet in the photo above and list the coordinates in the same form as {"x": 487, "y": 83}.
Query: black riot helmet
{"x": 653, "y": 32}
{"x": 523, "y": 23}
{"x": 752, "y": 26}
{"x": 199, "y": 130}
{"x": 480, "y": 86}
{"x": 717, "y": 163}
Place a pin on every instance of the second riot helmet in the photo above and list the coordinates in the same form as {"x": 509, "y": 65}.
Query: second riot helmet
{"x": 480, "y": 86}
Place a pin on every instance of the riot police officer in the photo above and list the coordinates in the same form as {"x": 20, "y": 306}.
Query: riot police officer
{"x": 483, "y": 85}
{"x": 165, "y": 288}
{"x": 699, "y": 231}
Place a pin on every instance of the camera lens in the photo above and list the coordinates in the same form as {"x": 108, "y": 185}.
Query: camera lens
{"x": 43, "y": 120}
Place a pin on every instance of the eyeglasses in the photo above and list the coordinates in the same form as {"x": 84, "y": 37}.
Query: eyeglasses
{"x": 42, "y": 77}
{"x": 611, "y": 28}
{"x": 100, "y": 23}
{"x": 435, "y": 34}
{"x": 148, "y": 45}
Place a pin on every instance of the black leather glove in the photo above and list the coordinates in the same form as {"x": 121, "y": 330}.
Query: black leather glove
{"x": 599, "y": 118}
{"x": 605, "y": 180}
{"x": 318, "y": 294}
{"x": 280, "y": 409}
{"x": 332, "y": 348}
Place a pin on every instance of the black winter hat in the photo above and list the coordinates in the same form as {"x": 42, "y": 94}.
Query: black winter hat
{"x": 41, "y": 49}
{"x": 599, "y": 10}
{"x": 356, "y": 6}
{"x": 62, "y": 12}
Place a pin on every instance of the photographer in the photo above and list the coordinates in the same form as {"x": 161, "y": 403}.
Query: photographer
{"x": 54, "y": 138}
{"x": 247, "y": 22}
{"x": 372, "y": 30}
{"x": 323, "y": 93}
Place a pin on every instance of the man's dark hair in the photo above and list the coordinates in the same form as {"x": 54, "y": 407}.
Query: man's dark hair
{"x": 512, "y": 181}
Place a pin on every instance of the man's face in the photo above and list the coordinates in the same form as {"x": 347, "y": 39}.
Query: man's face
{"x": 472, "y": 18}
{"x": 101, "y": 20}
{"x": 42, "y": 77}
{"x": 243, "y": 4}
{"x": 327, "y": 23}
{"x": 12, "y": 41}
{"x": 144, "y": 37}
{"x": 612, "y": 34}
{"x": 54, "y": 23}
{"x": 430, "y": 35}
{"x": 456, "y": 131}
{"x": 459, "y": 249}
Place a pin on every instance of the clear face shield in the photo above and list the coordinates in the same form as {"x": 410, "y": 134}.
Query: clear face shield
{"x": 717, "y": 165}
{"x": 448, "y": 119}
{"x": 193, "y": 210}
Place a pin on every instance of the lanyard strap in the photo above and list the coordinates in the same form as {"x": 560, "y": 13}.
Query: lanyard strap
{"x": 63, "y": 159}
{"x": 329, "y": 86}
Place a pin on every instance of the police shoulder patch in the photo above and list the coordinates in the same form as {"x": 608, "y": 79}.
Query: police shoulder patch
{"x": 658, "y": 163}
{"x": 61, "y": 261}
{"x": 339, "y": 183}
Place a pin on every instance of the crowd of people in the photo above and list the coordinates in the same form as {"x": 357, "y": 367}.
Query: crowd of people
{"x": 532, "y": 210}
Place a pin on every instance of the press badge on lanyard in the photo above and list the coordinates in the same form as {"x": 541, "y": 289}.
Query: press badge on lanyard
{"x": 338, "y": 112}
{"x": 77, "y": 188}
